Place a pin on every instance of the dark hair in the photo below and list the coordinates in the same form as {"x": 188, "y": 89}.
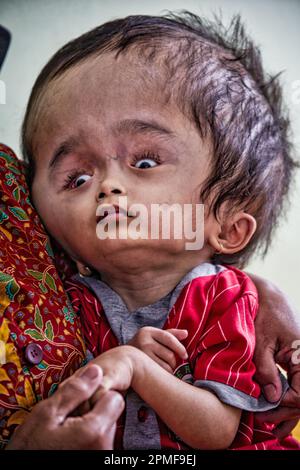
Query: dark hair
{"x": 220, "y": 84}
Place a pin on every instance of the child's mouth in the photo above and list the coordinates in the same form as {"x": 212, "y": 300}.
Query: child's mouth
{"x": 111, "y": 212}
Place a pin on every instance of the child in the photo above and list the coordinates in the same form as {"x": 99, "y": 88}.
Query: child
{"x": 164, "y": 110}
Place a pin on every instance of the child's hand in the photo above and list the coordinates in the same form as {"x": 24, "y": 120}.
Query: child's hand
{"x": 117, "y": 367}
{"x": 161, "y": 345}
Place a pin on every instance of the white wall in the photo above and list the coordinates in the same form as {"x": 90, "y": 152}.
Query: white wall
{"x": 40, "y": 27}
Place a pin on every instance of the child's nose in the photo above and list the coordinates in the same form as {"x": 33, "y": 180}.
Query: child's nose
{"x": 102, "y": 194}
{"x": 113, "y": 181}
{"x": 111, "y": 186}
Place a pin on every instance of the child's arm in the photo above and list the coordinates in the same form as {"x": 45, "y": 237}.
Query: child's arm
{"x": 161, "y": 345}
{"x": 197, "y": 416}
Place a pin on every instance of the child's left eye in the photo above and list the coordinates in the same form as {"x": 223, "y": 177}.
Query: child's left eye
{"x": 146, "y": 161}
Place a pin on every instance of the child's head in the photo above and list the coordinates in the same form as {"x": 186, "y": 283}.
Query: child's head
{"x": 173, "y": 93}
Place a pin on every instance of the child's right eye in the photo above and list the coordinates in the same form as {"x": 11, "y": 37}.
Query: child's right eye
{"x": 80, "y": 180}
{"x": 76, "y": 179}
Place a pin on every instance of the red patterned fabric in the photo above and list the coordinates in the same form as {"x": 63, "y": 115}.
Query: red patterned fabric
{"x": 33, "y": 305}
{"x": 218, "y": 311}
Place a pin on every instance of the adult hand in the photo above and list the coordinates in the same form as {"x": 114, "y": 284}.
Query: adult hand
{"x": 277, "y": 333}
{"x": 49, "y": 426}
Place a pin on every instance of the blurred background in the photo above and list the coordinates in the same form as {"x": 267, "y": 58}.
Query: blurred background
{"x": 40, "y": 27}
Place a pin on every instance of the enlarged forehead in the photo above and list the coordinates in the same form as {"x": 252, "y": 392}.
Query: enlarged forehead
{"x": 105, "y": 86}
{"x": 112, "y": 83}
{"x": 195, "y": 77}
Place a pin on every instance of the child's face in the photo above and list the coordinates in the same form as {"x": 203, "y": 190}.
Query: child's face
{"x": 103, "y": 118}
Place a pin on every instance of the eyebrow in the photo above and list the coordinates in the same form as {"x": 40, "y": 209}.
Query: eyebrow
{"x": 65, "y": 148}
{"x": 137, "y": 126}
{"x": 126, "y": 126}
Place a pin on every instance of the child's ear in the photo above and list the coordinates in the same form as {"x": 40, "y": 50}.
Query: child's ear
{"x": 236, "y": 232}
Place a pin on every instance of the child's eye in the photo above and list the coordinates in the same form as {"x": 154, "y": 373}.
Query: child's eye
{"x": 146, "y": 161}
{"x": 76, "y": 179}
{"x": 81, "y": 180}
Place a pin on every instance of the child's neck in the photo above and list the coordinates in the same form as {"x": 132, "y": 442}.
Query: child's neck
{"x": 143, "y": 289}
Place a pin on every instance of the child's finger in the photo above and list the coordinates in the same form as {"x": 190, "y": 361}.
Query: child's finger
{"x": 162, "y": 363}
{"x": 168, "y": 339}
{"x": 178, "y": 333}
{"x": 165, "y": 354}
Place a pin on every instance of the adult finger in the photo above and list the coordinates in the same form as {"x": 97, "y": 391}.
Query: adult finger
{"x": 292, "y": 396}
{"x": 76, "y": 390}
{"x": 82, "y": 409}
{"x": 291, "y": 399}
{"x": 267, "y": 374}
{"x": 105, "y": 386}
{"x": 103, "y": 417}
{"x": 280, "y": 414}
{"x": 108, "y": 408}
{"x": 285, "y": 428}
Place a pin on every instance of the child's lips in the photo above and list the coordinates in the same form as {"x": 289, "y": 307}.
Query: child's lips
{"x": 112, "y": 212}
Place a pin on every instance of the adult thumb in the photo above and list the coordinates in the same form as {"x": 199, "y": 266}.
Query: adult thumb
{"x": 267, "y": 374}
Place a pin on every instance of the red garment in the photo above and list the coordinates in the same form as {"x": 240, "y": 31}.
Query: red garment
{"x": 218, "y": 311}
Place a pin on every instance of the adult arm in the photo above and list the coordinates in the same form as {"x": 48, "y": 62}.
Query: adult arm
{"x": 277, "y": 331}
{"x": 49, "y": 426}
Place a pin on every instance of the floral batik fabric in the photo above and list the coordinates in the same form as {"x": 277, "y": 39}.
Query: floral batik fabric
{"x": 40, "y": 336}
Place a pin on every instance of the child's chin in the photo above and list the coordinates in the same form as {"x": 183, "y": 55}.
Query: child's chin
{"x": 148, "y": 251}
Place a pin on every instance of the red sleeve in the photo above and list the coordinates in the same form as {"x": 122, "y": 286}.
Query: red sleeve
{"x": 226, "y": 347}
